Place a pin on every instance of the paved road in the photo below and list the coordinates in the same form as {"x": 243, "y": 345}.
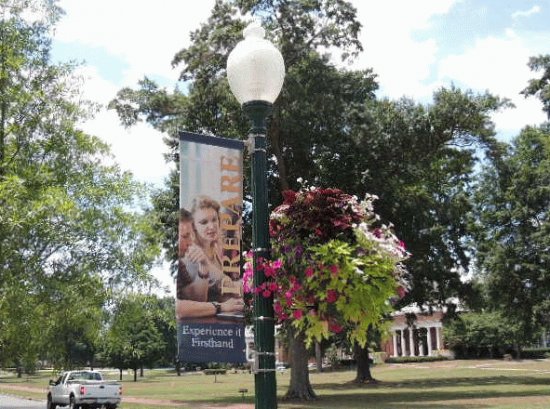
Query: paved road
{"x": 10, "y": 402}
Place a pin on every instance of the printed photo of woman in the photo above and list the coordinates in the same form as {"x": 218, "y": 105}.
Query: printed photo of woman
{"x": 203, "y": 290}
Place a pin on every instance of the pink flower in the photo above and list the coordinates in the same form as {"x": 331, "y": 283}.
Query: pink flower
{"x": 332, "y": 296}
{"x": 297, "y": 314}
{"x": 309, "y": 272}
{"x": 266, "y": 293}
{"x": 288, "y": 296}
{"x": 335, "y": 327}
{"x": 401, "y": 291}
{"x": 268, "y": 270}
{"x": 334, "y": 269}
{"x": 278, "y": 308}
{"x": 289, "y": 197}
{"x": 273, "y": 286}
{"x": 277, "y": 264}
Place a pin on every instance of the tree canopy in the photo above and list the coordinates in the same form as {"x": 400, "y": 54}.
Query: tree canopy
{"x": 71, "y": 225}
{"x": 512, "y": 209}
{"x": 540, "y": 87}
{"x": 329, "y": 129}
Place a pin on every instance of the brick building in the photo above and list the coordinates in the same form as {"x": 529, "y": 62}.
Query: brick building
{"x": 422, "y": 336}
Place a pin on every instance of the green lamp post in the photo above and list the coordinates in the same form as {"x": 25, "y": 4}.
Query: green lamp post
{"x": 256, "y": 71}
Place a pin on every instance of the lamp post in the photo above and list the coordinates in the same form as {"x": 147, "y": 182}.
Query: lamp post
{"x": 255, "y": 70}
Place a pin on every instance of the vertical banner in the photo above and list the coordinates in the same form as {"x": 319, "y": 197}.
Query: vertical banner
{"x": 209, "y": 291}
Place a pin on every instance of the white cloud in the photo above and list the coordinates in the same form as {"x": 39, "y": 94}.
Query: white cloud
{"x": 94, "y": 87}
{"x": 526, "y": 13}
{"x": 499, "y": 65}
{"x": 138, "y": 149}
{"x": 402, "y": 63}
{"x": 145, "y": 34}
{"x": 494, "y": 63}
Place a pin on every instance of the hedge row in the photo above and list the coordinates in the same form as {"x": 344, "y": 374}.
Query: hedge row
{"x": 406, "y": 359}
{"x": 535, "y": 353}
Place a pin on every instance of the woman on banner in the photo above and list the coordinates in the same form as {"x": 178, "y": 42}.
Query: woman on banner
{"x": 207, "y": 250}
{"x": 201, "y": 281}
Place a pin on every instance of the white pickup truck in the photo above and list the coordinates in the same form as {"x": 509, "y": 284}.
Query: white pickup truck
{"x": 85, "y": 390}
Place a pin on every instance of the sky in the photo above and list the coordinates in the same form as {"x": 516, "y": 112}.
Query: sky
{"x": 414, "y": 47}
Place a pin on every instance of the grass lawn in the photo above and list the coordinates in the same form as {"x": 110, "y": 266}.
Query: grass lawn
{"x": 446, "y": 385}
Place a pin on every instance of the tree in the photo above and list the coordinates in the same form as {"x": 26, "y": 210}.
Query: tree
{"x": 473, "y": 335}
{"x": 512, "y": 210}
{"x": 540, "y": 87}
{"x": 133, "y": 338}
{"x": 420, "y": 161}
{"x": 67, "y": 219}
{"x": 307, "y": 116}
{"x": 162, "y": 310}
{"x": 74, "y": 309}
{"x": 336, "y": 267}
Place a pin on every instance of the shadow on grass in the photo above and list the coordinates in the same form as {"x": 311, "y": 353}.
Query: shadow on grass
{"x": 418, "y": 393}
{"x": 429, "y": 383}
{"x": 425, "y": 393}
{"x": 407, "y": 394}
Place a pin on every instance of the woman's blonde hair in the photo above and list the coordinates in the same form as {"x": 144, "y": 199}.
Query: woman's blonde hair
{"x": 204, "y": 202}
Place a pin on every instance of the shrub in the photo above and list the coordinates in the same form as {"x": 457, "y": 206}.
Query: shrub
{"x": 408, "y": 359}
{"x": 535, "y": 353}
{"x": 487, "y": 334}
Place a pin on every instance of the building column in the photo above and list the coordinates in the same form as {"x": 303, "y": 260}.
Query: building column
{"x": 429, "y": 341}
{"x": 403, "y": 349}
{"x": 437, "y": 337}
{"x": 394, "y": 338}
{"x": 411, "y": 341}
{"x": 420, "y": 338}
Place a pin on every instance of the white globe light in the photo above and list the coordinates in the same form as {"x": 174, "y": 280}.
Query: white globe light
{"x": 255, "y": 68}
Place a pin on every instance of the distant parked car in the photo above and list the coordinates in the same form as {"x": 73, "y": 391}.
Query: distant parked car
{"x": 83, "y": 389}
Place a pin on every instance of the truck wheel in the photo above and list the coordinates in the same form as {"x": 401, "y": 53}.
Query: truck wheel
{"x": 50, "y": 404}
{"x": 73, "y": 405}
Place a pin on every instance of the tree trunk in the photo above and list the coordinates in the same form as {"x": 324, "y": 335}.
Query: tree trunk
{"x": 277, "y": 149}
{"x": 135, "y": 374}
{"x": 178, "y": 367}
{"x": 363, "y": 365}
{"x": 300, "y": 387}
{"x": 518, "y": 350}
{"x": 120, "y": 373}
{"x": 141, "y": 371}
{"x": 3, "y": 104}
{"x": 318, "y": 356}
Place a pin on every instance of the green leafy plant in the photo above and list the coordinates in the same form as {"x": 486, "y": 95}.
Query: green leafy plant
{"x": 336, "y": 266}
